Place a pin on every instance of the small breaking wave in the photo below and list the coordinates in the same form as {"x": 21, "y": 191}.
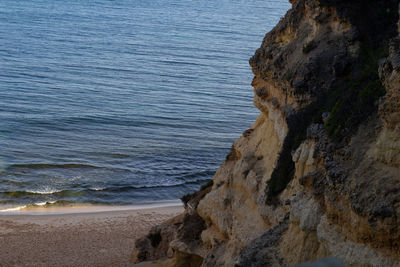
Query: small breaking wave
{"x": 13, "y": 209}
{"x": 95, "y": 194}
{"x": 51, "y": 203}
{"x": 97, "y": 188}
{"x": 32, "y": 193}
{"x": 44, "y": 204}
{"x": 43, "y": 192}
{"x": 93, "y": 190}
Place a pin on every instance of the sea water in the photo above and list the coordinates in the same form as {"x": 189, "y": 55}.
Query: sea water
{"x": 124, "y": 101}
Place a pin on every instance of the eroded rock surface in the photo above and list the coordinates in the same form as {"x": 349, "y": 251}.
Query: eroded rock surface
{"x": 318, "y": 173}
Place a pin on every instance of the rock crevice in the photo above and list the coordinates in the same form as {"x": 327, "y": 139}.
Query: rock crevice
{"x": 318, "y": 173}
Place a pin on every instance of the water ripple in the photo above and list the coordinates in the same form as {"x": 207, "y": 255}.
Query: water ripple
{"x": 123, "y": 101}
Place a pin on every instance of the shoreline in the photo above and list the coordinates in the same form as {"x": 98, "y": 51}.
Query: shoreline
{"x": 83, "y": 208}
{"x": 85, "y": 238}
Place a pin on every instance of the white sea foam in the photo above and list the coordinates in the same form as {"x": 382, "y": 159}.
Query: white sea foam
{"x": 27, "y": 206}
{"x": 38, "y": 209}
{"x": 97, "y": 188}
{"x": 44, "y": 203}
{"x": 43, "y": 192}
{"x": 13, "y": 209}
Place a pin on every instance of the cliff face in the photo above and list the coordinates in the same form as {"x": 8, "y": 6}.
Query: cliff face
{"x": 318, "y": 174}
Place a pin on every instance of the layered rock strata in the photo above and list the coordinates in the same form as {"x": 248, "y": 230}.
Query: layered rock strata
{"x": 318, "y": 174}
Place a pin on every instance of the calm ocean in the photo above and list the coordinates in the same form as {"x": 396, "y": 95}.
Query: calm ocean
{"x": 124, "y": 101}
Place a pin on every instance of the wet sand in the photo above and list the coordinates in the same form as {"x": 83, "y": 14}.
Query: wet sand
{"x": 84, "y": 236}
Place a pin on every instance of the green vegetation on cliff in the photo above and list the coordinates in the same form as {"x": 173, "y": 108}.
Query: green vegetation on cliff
{"x": 353, "y": 99}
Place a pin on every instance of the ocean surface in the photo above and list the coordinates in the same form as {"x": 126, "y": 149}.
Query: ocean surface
{"x": 124, "y": 101}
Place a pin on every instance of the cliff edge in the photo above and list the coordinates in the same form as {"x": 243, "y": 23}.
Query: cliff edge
{"x": 318, "y": 174}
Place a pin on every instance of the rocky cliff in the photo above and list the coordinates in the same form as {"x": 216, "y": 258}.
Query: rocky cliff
{"x": 318, "y": 174}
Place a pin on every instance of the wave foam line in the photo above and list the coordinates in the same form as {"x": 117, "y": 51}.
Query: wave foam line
{"x": 48, "y": 208}
{"x": 13, "y": 209}
{"x": 37, "y": 204}
{"x": 44, "y": 203}
{"x": 97, "y": 188}
{"x": 43, "y": 192}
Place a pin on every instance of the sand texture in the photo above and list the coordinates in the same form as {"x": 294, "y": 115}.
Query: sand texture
{"x": 79, "y": 239}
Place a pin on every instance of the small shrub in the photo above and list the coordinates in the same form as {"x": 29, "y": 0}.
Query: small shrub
{"x": 155, "y": 238}
{"x": 320, "y": 19}
{"x": 289, "y": 76}
{"x": 186, "y": 198}
{"x": 309, "y": 47}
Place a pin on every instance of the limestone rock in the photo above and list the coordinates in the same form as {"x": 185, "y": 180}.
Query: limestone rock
{"x": 290, "y": 191}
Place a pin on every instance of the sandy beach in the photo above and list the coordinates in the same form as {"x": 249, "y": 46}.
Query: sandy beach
{"x": 84, "y": 236}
